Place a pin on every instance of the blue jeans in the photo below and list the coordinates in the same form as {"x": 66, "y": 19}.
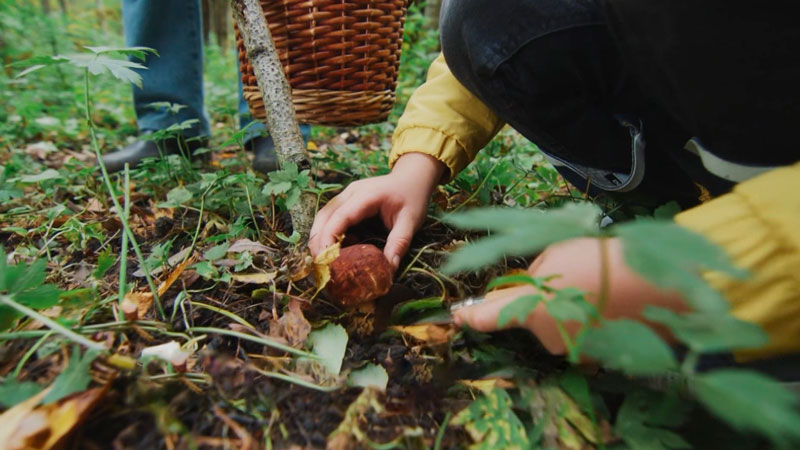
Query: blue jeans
{"x": 174, "y": 29}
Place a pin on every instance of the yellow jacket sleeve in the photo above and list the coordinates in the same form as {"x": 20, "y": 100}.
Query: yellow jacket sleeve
{"x": 444, "y": 120}
{"x": 758, "y": 224}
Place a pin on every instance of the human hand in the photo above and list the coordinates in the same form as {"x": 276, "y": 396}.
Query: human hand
{"x": 400, "y": 198}
{"x": 574, "y": 263}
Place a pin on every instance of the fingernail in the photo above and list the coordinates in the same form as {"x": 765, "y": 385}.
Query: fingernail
{"x": 396, "y": 261}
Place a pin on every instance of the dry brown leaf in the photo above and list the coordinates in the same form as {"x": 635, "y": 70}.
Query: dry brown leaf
{"x": 292, "y": 326}
{"x": 428, "y": 333}
{"x": 53, "y": 312}
{"x": 135, "y": 305}
{"x": 254, "y": 278}
{"x": 40, "y": 150}
{"x": 246, "y": 245}
{"x": 94, "y": 205}
{"x": 165, "y": 285}
{"x": 322, "y": 264}
{"x": 349, "y": 434}
{"x": 11, "y": 419}
{"x": 171, "y": 262}
{"x": 163, "y": 212}
{"x": 47, "y": 426}
{"x": 301, "y": 266}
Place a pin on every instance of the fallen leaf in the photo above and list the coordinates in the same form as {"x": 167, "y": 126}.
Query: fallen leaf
{"x": 171, "y": 262}
{"x": 322, "y": 264}
{"x": 246, "y": 245}
{"x": 566, "y": 425}
{"x": 41, "y": 149}
{"x": 371, "y": 375}
{"x": 165, "y": 285}
{"x": 254, "y": 278}
{"x": 428, "y": 333}
{"x": 94, "y": 205}
{"x": 292, "y": 326}
{"x": 486, "y": 385}
{"x": 349, "y": 434}
{"x": 300, "y": 266}
{"x": 52, "y": 313}
{"x": 10, "y": 420}
{"x": 47, "y": 426}
{"x": 135, "y": 305}
{"x": 82, "y": 273}
{"x": 329, "y": 343}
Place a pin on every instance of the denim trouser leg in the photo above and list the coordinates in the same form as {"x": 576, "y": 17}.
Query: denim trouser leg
{"x": 258, "y": 128}
{"x": 173, "y": 28}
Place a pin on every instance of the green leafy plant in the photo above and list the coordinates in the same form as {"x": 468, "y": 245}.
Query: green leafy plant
{"x": 288, "y": 183}
{"x": 670, "y": 257}
{"x": 99, "y": 60}
{"x": 23, "y": 284}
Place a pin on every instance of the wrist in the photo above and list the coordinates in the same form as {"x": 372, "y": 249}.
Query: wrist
{"x": 424, "y": 168}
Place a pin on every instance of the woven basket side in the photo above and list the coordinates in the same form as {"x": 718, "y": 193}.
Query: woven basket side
{"x": 340, "y": 57}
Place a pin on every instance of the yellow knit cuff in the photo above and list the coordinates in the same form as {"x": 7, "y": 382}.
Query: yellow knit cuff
{"x": 433, "y": 142}
{"x": 770, "y": 297}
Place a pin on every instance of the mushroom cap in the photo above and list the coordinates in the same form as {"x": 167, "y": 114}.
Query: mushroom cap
{"x": 360, "y": 274}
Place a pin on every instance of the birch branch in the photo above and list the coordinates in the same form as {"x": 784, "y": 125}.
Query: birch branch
{"x": 277, "y": 95}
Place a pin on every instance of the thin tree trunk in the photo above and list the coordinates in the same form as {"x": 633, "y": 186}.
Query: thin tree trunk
{"x": 45, "y": 7}
{"x": 432, "y": 8}
{"x": 63, "y": 5}
{"x": 220, "y": 22}
{"x": 275, "y": 90}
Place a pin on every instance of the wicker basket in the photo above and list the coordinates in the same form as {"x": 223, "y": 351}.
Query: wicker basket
{"x": 340, "y": 56}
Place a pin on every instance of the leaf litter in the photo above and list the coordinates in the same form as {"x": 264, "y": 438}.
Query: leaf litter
{"x": 237, "y": 284}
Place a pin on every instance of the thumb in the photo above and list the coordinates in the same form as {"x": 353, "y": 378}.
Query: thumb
{"x": 399, "y": 239}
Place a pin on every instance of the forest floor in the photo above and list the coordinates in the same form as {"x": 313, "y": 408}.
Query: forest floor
{"x": 172, "y": 306}
{"x": 222, "y": 254}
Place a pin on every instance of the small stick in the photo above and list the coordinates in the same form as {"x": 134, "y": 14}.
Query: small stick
{"x": 275, "y": 90}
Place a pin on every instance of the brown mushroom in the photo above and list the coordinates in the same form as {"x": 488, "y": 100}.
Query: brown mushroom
{"x": 359, "y": 275}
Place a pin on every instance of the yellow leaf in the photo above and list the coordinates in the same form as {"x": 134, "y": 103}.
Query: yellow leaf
{"x": 165, "y": 285}
{"x": 10, "y": 420}
{"x": 254, "y": 278}
{"x": 311, "y": 146}
{"x": 322, "y": 265}
{"x": 55, "y": 421}
{"x": 487, "y": 384}
{"x": 428, "y": 332}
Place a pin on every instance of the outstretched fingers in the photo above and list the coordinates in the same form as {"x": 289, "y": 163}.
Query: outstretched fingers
{"x": 315, "y": 242}
{"x": 399, "y": 239}
{"x": 483, "y": 317}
